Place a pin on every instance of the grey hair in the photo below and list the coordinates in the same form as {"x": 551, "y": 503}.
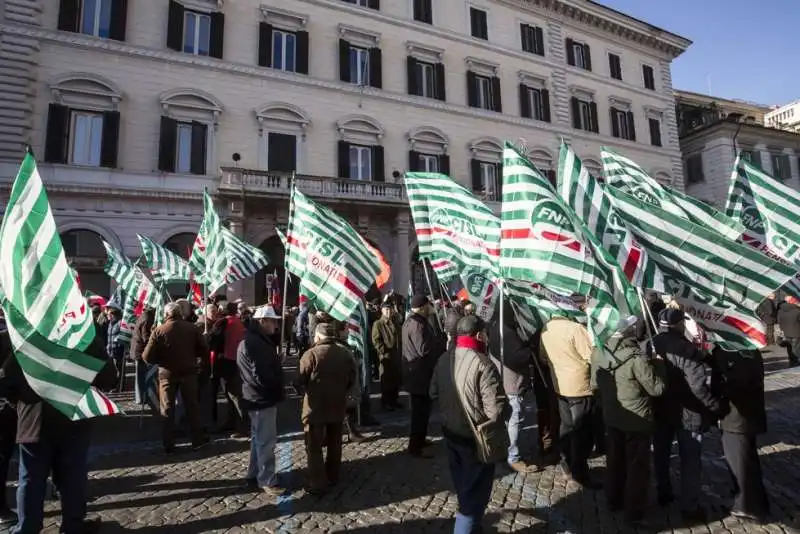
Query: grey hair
{"x": 173, "y": 311}
{"x": 186, "y": 307}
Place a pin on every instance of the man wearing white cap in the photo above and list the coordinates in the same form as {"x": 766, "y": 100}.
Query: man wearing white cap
{"x": 262, "y": 390}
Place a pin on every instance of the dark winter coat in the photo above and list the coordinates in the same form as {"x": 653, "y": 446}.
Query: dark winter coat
{"x": 517, "y": 355}
{"x": 742, "y": 387}
{"x": 301, "y": 326}
{"x": 688, "y": 401}
{"x": 260, "y": 369}
{"x": 177, "y": 347}
{"x": 767, "y": 311}
{"x": 628, "y": 382}
{"x": 141, "y": 333}
{"x": 789, "y": 320}
{"x": 421, "y": 350}
{"x": 114, "y": 348}
{"x": 326, "y": 373}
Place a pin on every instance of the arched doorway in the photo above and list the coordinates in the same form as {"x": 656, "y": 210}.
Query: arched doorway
{"x": 86, "y": 254}
{"x": 274, "y": 250}
{"x": 181, "y": 244}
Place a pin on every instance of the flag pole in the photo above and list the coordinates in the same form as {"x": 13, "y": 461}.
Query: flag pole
{"x": 286, "y": 273}
{"x": 430, "y": 288}
{"x": 648, "y": 317}
{"x": 502, "y": 324}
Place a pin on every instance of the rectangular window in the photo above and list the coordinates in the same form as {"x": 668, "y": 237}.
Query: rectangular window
{"x": 284, "y": 50}
{"x": 281, "y": 152}
{"x": 614, "y": 66}
{"x": 536, "y": 103}
{"x": 362, "y": 3}
{"x": 428, "y": 163}
{"x": 360, "y": 162}
{"x": 489, "y": 180}
{"x": 483, "y": 92}
{"x": 694, "y": 169}
{"x": 620, "y": 125}
{"x": 96, "y": 18}
{"x": 359, "y": 66}
{"x": 579, "y": 50}
{"x": 426, "y": 79}
{"x": 649, "y": 77}
{"x": 655, "y": 132}
{"x": 532, "y": 39}
{"x": 196, "y": 33}
{"x": 479, "y": 23}
{"x": 183, "y": 154}
{"x": 584, "y": 118}
{"x": 86, "y": 138}
{"x": 780, "y": 167}
{"x": 423, "y": 11}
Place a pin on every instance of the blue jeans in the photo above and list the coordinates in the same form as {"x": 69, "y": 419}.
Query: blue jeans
{"x": 514, "y": 426}
{"x": 67, "y": 458}
{"x": 473, "y": 484}
{"x": 263, "y": 439}
{"x": 689, "y": 450}
{"x": 146, "y": 387}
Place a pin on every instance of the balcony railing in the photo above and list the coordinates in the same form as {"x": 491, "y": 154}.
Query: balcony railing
{"x": 268, "y": 183}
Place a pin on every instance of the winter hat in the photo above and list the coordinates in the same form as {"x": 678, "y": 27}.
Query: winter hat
{"x": 670, "y": 317}
{"x": 418, "y": 301}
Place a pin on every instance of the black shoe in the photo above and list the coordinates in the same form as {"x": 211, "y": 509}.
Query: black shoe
{"x": 369, "y": 421}
{"x": 388, "y": 408}
{"x": 665, "y": 500}
{"x": 696, "y": 516}
{"x": 794, "y": 363}
{"x": 8, "y": 518}
{"x": 92, "y": 526}
{"x": 753, "y": 518}
{"x": 355, "y": 437}
{"x": 423, "y": 454}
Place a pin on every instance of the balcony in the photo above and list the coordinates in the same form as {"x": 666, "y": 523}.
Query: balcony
{"x": 268, "y": 184}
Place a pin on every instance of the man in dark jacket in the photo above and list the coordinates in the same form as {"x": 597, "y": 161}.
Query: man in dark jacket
{"x": 421, "y": 350}
{"x": 767, "y": 311}
{"x": 454, "y": 314}
{"x": 114, "y": 346}
{"x": 789, "y": 321}
{"x": 141, "y": 335}
{"x": 8, "y": 428}
{"x": 386, "y": 340}
{"x": 687, "y": 409}
{"x": 262, "y": 390}
{"x": 742, "y": 377}
{"x": 628, "y": 381}
{"x": 49, "y": 442}
{"x": 301, "y": 329}
{"x": 516, "y": 379}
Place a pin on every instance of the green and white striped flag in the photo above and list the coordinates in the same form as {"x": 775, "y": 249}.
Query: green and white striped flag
{"x": 239, "y": 260}
{"x": 131, "y": 279}
{"x": 34, "y": 272}
{"x": 544, "y": 241}
{"x": 333, "y": 262}
{"x": 451, "y": 224}
{"x": 534, "y": 305}
{"x": 49, "y": 322}
{"x": 625, "y": 174}
{"x": 719, "y": 281}
{"x": 586, "y": 196}
{"x": 166, "y": 266}
{"x": 208, "y": 245}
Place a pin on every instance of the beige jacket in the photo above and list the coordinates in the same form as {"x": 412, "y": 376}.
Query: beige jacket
{"x": 566, "y": 348}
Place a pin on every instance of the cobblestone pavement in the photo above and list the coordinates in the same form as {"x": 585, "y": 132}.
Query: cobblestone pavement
{"x": 384, "y": 490}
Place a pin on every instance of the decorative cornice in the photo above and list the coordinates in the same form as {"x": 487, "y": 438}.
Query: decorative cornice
{"x": 578, "y": 90}
{"x": 619, "y": 103}
{"x": 203, "y": 5}
{"x": 113, "y": 192}
{"x": 483, "y": 64}
{"x": 525, "y": 76}
{"x": 346, "y": 31}
{"x": 277, "y": 15}
{"x": 274, "y": 75}
{"x": 424, "y": 51}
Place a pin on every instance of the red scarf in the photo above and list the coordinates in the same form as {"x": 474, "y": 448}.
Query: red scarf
{"x": 469, "y": 342}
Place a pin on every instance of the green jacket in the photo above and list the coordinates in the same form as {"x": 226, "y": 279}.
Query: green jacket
{"x": 627, "y": 381}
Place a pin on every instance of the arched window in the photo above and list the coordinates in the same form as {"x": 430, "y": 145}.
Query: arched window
{"x": 282, "y": 128}
{"x": 181, "y": 244}
{"x": 360, "y": 153}
{"x": 542, "y": 159}
{"x": 86, "y": 254}
{"x": 427, "y": 150}
{"x": 187, "y": 141}
{"x": 594, "y": 167}
{"x": 486, "y": 168}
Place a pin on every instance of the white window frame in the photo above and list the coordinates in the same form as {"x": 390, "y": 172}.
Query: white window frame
{"x": 285, "y": 36}
{"x": 183, "y": 126}
{"x": 644, "y": 80}
{"x": 361, "y": 153}
{"x": 87, "y": 158}
{"x": 98, "y": 4}
{"x": 781, "y": 159}
{"x": 428, "y": 92}
{"x": 489, "y": 179}
{"x": 429, "y": 163}
{"x": 535, "y": 102}
{"x": 483, "y": 92}
{"x": 660, "y": 130}
{"x": 585, "y": 111}
{"x": 621, "y": 118}
{"x": 361, "y": 76}
{"x": 485, "y": 9}
{"x": 579, "y": 52}
{"x": 621, "y": 70}
{"x": 359, "y": 3}
{"x": 198, "y": 16}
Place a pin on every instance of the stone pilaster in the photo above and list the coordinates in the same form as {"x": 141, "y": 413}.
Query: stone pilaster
{"x": 401, "y": 268}
{"x": 766, "y": 158}
{"x": 669, "y": 128}
{"x": 793, "y": 163}
{"x": 560, "y": 92}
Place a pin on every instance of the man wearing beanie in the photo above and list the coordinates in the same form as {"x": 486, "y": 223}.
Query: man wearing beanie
{"x": 326, "y": 373}
{"x": 470, "y": 394}
{"x": 687, "y": 409}
{"x": 421, "y": 350}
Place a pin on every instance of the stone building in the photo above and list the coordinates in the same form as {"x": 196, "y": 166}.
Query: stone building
{"x": 133, "y": 108}
{"x": 786, "y": 117}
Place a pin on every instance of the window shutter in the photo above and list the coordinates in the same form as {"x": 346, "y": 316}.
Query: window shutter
{"x": 411, "y": 74}
{"x": 655, "y": 132}
{"x": 217, "y": 34}
{"x": 119, "y": 18}
{"x": 167, "y": 144}
{"x": 498, "y": 190}
{"x": 756, "y": 159}
{"x": 109, "y": 146}
{"x": 175, "y": 27}
{"x": 472, "y": 93}
{"x": 375, "y": 4}
{"x": 587, "y": 52}
{"x": 593, "y": 113}
{"x": 475, "y": 169}
{"x": 539, "y": 41}
{"x": 497, "y": 96}
{"x": 612, "y": 112}
{"x": 546, "y": 105}
{"x": 375, "y": 68}
{"x": 552, "y": 178}
{"x": 302, "y": 52}
{"x": 523, "y": 37}
{"x": 344, "y": 61}
{"x": 344, "y": 159}
{"x": 444, "y": 164}
{"x": 68, "y": 13}
{"x": 524, "y": 102}
{"x": 413, "y": 161}
{"x": 197, "y": 165}
{"x": 55, "y": 146}
{"x": 570, "y": 52}
{"x": 576, "y": 113}
{"x": 378, "y": 165}
{"x": 631, "y": 126}
{"x": 441, "y": 82}
{"x": 265, "y": 44}
{"x": 428, "y": 5}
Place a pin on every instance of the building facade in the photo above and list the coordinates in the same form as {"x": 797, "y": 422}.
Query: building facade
{"x": 133, "y": 108}
{"x": 785, "y": 117}
{"x": 713, "y": 130}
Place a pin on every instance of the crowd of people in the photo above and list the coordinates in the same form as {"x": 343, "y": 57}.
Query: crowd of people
{"x": 655, "y": 381}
